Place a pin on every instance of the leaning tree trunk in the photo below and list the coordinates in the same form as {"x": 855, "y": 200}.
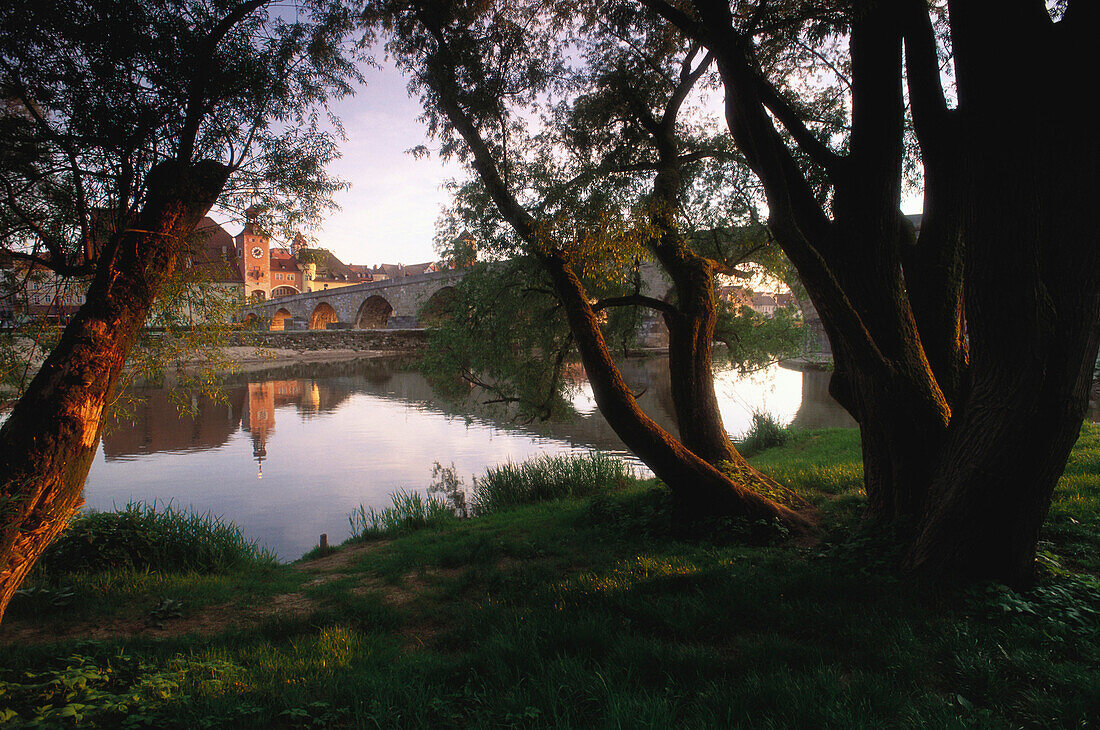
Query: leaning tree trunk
{"x": 48, "y": 443}
{"x": 699, "y": 489}
{"x": 691, "y": 370}
{"x": 692, "y": 321}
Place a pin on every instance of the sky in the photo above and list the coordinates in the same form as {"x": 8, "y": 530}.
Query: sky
{"x": 388, "y": 214}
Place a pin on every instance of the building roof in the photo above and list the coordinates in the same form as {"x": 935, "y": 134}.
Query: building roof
{"x": 283, "y": 260}
{"x": 735, "y": 294}
{"x": 213, "y": 250}
{"x": 396, "y": 271}
{"x": 329, "y": 268}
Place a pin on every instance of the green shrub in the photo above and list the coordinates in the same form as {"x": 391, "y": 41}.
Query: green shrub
{"x": 765, "y": 432}
{"x": 547, "y": 478}
{"x": 410, "y": 511}
{"x": 142, "y": 537}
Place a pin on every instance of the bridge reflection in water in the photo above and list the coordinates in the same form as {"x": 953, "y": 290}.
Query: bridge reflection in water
{"x": 325, "y": 438}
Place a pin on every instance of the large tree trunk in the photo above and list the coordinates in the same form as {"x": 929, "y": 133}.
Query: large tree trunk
{"x": 1035, "y": 323}
{"x": 48, "y": 443}
{"x": 961, "y": 452}
{"x": 1032, "y": 293}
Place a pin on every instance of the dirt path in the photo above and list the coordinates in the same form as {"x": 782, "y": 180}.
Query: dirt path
{"x": 217, "y": 618}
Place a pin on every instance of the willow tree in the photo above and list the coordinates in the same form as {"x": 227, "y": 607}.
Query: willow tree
{"x": 633, "y": 126}
{"x": 124, "y": 123}
{"x": 622, "y": 141}
{"x": 965, "y": 353}
{"x": 475, "y": 69}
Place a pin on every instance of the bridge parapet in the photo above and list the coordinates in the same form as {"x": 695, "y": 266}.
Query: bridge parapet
{"x": 387, "y": 304}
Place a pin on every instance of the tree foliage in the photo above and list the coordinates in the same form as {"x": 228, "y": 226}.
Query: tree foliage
{"x": 475, "y": 66}
{"x": 927, "y": 329}
{"x": 127, "y": 122}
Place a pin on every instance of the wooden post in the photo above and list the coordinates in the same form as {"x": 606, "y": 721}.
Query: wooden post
{"x": 324, "y": 541}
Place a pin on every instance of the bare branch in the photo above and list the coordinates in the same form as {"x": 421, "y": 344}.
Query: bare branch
{"x": 635, "y": 300}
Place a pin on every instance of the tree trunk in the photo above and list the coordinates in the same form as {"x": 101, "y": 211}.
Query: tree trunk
{"x": 690, "y": 365}
{"x": 48, "y": 443}
{"x": 961, "y": 452}
{"x": 1033, "y": 312}
{"x": 691, "y": 371}
{"x": 699, "y": 489}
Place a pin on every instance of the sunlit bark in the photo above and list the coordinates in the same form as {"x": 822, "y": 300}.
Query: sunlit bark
{"x": 49, "y": 440}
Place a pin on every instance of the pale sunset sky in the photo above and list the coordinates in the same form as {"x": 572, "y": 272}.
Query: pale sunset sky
{"x": 388, "y": 215}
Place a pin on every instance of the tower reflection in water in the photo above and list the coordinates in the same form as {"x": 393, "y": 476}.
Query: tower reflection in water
{"x": 353, "y": 433}
{"x": 263, "y": 398}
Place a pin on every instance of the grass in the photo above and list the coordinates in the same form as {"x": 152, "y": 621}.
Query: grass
{"x": 586, "y": 612}
{"x": 765, "y": 432}
{"x": 142, "y": 537}
{"x": 411, "y": 511}
{"x": 548, "y": 478}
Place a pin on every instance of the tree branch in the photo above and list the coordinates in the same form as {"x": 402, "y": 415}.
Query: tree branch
{"x": 639, "y": 300}
{"x": 687, "y": 25}
{"x": 443, "y": 81}
{"x": 196, "y": 92}
{"x": 781, "y": 107}
{"x": 922, "y": 67}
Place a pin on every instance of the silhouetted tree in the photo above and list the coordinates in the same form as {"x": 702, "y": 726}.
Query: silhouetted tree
{"x": 123, "y": 124}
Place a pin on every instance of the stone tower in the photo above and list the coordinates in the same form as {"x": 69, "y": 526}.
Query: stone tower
{"x": 254, "y": 254}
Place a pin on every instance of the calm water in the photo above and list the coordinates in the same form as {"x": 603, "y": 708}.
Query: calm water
{"x": 293, "y": 451}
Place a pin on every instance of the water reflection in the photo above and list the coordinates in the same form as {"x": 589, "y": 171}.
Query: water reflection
{"x": 325, "y": 438}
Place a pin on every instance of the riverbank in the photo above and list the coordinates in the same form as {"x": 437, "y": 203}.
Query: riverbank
{"x": 257, "y": 351}
{"x": 253, "y": 351}
{"x": 592, "y": 612}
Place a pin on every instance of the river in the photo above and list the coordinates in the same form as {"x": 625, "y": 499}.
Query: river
{"x": 287, "y": 454}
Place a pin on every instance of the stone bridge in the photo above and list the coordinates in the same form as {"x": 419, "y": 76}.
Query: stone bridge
{"x": 387, "y": 304}
{"x": 401, "y": 303}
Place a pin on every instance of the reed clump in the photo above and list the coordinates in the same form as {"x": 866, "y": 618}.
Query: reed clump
{"x": 502, "y": 487}
{"x": 148, "y": 537}
{"x": 409, "y": 512}
{"x": 547, "y": 478}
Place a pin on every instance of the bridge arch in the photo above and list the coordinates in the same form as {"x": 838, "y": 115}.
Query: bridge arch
{"x": 373, "y": 313}
{"x": 322, "y": 315}
{"x": 437, "y": 308}
{"x": 284, "y": 291}
{"x": 250, "y": 321}
{"x": 278, "y": 320}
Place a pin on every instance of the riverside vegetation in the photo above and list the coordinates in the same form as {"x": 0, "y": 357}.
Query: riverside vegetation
{"x": 573, "y": 600}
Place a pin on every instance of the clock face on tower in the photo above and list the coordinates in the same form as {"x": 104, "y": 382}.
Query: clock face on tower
{"x": 257, "y": 252}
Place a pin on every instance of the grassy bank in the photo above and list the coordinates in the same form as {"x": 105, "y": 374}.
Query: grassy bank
{"x": 582, "y": 611}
